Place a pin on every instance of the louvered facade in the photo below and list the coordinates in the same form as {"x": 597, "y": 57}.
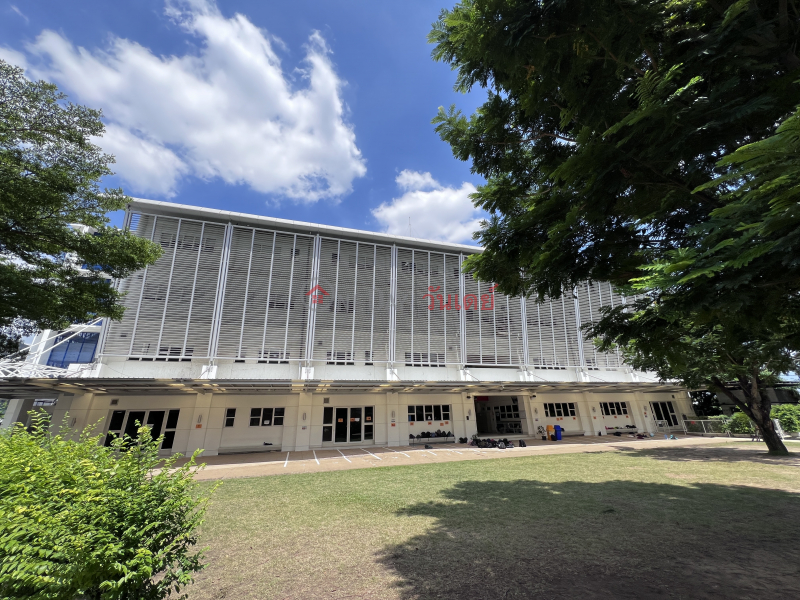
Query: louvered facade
{"x": 229, "y": 290}
{"x": 253, "y": 334}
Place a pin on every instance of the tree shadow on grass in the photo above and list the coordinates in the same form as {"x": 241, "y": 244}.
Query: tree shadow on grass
{"x": 618, "y": 539}
{"x": 730, "y": 454}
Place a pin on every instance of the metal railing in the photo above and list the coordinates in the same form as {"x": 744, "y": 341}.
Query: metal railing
{"x": 704, "y": 427}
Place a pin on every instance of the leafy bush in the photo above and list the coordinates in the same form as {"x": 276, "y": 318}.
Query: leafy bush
{"x": 788, "y": 415}
{"x": 78, "y": 520}
{"x": 738, "y": 423}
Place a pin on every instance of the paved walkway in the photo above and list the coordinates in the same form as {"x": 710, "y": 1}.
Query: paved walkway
{"x": 231, "y": 466}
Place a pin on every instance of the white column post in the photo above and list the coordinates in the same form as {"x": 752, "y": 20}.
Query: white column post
{"x": 198, "y": 424}
{"x": 302, "y": 439}
{"x": 394, "y": 416}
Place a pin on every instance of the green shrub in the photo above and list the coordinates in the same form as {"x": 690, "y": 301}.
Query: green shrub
{"x": 81, "y": 521}
{"x": 788, "y": 415}
{"x": 738, "y": 423}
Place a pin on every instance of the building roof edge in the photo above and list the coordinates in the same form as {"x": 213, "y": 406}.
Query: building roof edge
{"x": 224, "y": 216}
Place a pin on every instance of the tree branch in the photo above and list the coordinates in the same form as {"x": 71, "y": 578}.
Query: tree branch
{"x": 731, "y": 396}
{"x": 611, "y": 54}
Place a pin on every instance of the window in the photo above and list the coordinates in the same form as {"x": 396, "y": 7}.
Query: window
{"x": 559, "y": 409}
{"x": 118, "y": 425}
{"x": 78, "y": 349}
{"x": 665, "y": 411}
{"x": 429, "y": 412}
{"x": 230, "y": 415}
{"x": 266, "y": 417}
{"x": 423, "y": 359}
{"x": 614, "y": 408}
{"x": 369, "y": 414}
{"x": 327, "y": 424}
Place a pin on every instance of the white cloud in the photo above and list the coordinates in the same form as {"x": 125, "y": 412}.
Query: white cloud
{"x": 20, "y": 13}
{"x": 435, "y": 211}
{"x": 227, "y": 111}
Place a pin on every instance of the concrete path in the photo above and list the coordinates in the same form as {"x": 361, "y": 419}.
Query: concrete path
{"x": 231, "y": 466}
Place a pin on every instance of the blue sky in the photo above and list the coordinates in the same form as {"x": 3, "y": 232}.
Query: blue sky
{"x": 310, "y": 109}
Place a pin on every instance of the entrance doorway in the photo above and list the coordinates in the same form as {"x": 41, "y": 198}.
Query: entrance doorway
{"x": 127, "y": 422}
{"x": 664, "y": 411}
{"x": 501, "y": 415}
{"x": 348, "y": 424}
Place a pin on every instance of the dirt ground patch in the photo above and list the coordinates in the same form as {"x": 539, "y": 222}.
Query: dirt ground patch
{"x": 636, "y": 523}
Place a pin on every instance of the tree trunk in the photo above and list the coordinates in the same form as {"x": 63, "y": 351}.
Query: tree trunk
{"x": 757, "y": 407}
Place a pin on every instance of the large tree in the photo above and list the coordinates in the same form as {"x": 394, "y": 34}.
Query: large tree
{"x": 53, "y": 273}
{"x": 635, "y": 142}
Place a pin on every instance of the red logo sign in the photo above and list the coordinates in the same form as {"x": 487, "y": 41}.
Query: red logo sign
{"x": 317, "y": 294}
{"x": 470, "y": 301}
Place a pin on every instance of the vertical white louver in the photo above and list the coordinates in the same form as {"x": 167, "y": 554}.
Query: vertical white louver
{"x": 428, "y": 329}
{"x": 352, "y": 320}
{"x": 493, "y": 325}
{"x": 259, "y": 300}
{"x": 591, "y": 299}
{"x": 264, "y": 311}
{"x": 120, "y": 333}
{"x": 552, "y": 333}
{"x": 169, "y": 305}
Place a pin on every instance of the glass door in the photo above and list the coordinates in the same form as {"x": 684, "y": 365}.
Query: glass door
{"x": 340, "y": 426}
{"x": 355, "y": 424}
{"x": 664, "y": 411}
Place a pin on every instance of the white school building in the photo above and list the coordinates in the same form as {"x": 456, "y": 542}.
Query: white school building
{"x": 255, "y": 334}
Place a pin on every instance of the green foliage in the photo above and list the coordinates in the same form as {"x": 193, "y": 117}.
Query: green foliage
{"x": 79, "y": 520}
{"x": 49, "y": 174}
{"x": 705, "y": 403}
{"x": 652, "y": 144}
{"x": 788, "y": 415}
{"x": 738, "y": 423}
{"x": 604, "y": 121}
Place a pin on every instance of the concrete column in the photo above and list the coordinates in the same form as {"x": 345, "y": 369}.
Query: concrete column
{"x": 213, "y": 425}
{"x": 302, "y": 439}
{"x": 531, "y": 423}
{"x": 470, "y": 424}
{"x": 595, "y": 417}
{"x": 198, "y": 424}
{"x": 642, "y": 415}
{"x": 77, "y": 408}
{"x": 394, "y": 417}
{"x": 17, "y": 411}
{"x": 588, "y": 418}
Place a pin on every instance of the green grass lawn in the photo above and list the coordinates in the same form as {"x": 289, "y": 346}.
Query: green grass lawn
{"x": 698, "y": 522}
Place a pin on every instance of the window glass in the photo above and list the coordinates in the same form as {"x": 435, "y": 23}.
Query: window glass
{"x": 420, "y": 413}
{"x": 369, "y": 413}
{"x": 429, "y": 412}
{"x": 266, "y": 417}
{"x": 230, "y": 416}
{"x": 446, "y": 412}
{"x": 327, "y": 417}
{"x": 169, "y": 439}
{"x": 255, "y": 417}
{"x": 117, "y": 418}
{"x": 278, "y": 416}
{"x": 172, "y": 420}
{"x": 437, "y": 413}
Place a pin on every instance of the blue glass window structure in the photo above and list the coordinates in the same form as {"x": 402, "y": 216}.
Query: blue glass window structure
{"x": 78, "y": 349}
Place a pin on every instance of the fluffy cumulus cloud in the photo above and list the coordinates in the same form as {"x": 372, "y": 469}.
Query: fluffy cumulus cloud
{"x": 426, "y": 209}
{"x": 227, "y": 111}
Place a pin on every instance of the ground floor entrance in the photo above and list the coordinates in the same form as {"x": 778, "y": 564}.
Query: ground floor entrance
{"x": 345, "y": 425}
{"x": 665, "y": 411}
{"x": 500, "y": 415}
